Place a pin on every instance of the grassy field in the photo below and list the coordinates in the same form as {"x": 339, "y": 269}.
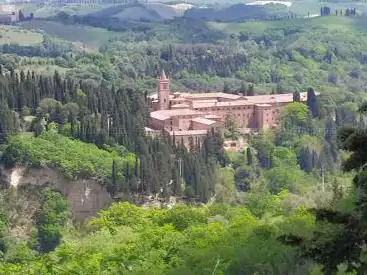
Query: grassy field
{"x": 92, "y": 37}
{"x": 339, "y": 23}
{"x": 42, "y": 11}
{"x": 11, "y": 34}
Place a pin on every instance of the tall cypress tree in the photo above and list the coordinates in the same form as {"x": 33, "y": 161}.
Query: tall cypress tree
{"x": 249, "y": 156}
{"x": 251, "y": 90}
{"x": 296, "y": 96}
{"x": 113, "y": 188}
{"x": 312, "y": 102}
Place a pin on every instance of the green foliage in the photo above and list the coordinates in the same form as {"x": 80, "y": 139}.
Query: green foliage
{"x": 224, "y": 189}
{"x": 284, "y": 157}
{"x": 295, "y": 113}
{"x": 51, "y": 217}
{"x": 264, "y": 146}
{"x": 75, "y": 159}
{"x": 285, "y": 177}
{"x": 231, "y": 128}
{"x": 181, "y": 240}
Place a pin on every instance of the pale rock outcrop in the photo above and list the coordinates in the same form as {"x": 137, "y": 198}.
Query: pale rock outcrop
{"x": 86, "y": 197}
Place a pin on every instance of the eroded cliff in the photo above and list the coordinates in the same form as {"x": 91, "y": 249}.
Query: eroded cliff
{"x": 86, "y": 197}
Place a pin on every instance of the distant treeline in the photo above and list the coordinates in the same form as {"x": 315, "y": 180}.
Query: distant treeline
{"x": 234, "y": 13}
{"x": 45, "y": 49}
{"x": 325, "y": 11}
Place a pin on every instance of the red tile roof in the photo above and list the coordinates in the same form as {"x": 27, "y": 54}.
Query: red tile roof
{"x": 182, "y": 105}
{"x": 211, "y": 116}
{"x": 166, "y": 114}
{"x": 221, "y": 104}
{"x": 211, "y": 95}
{"x": 189, "y": 133}
{"x": 203, "y": 120}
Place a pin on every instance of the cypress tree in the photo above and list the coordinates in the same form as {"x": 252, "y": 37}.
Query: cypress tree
{"x": 251, "y": 90}
{"x": 113, "y": 188}
{"x": 305, "y": 160}
{"x": 243, "y": 89}
{"x": 312, "y": 102}
{"x": 226, "y": 88}
{"x": 249, "y": 156}
{"x": 296, "y": 96}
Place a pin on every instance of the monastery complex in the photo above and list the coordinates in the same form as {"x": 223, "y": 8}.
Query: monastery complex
{"x": 191, "y": 115}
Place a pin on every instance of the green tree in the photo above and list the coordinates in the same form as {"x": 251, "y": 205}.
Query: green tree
{"x": 243, "y": 89}
{"x": 249, "y": 156}
{"x": 251, "y": 90}
{"x": 312, "y": 102}
{"x": 296, "y": 96}
{"x": 231, "y": 128}
{"x": 224, "y": 190}
{"x": 226, "y": 88}
{"x": 264, "y": 146}
{"x": 51, "y": 217}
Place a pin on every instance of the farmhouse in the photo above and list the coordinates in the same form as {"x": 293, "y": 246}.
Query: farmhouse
{"x": 8, "y": 14}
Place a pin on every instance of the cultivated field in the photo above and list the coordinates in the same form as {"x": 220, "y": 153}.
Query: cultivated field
{"x": 340, "y": 23}
{"x": 92, "y": 37}
{"x": 15, "y": 35}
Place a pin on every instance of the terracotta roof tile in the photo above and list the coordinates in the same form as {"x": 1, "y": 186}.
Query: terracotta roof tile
{"x": 279, "y": 98}
{"x": 203, "y": 120}
{"x": 211, "y": 95}
{"x": 189, "y": 133}
{"x": 182, "y": 105}
{"x": 211, "y": 116}
{"x": 166, "y": 114}
{"x": 222, "y": 104}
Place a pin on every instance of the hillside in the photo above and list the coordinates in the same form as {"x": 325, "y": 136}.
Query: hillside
{"x": 73, "y": 158}
{"x": 90, "y": 36}
{"x": 238, "y": 12}
{"x": 139, "y": 13}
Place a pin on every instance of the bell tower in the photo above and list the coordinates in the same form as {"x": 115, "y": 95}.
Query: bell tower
{"x": 163, "y": 92}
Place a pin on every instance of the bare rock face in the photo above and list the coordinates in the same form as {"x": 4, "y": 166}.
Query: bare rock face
{"x": 86, "y": 197}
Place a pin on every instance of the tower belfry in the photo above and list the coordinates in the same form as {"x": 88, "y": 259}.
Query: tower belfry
{"x": 163, "y": 92}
